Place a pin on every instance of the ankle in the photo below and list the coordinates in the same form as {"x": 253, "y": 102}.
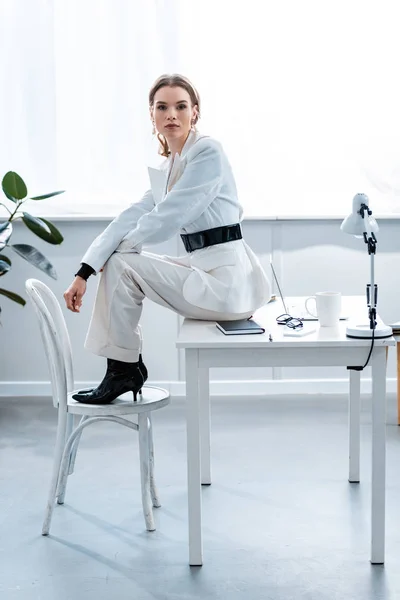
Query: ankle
{"x": 120, "y": 366}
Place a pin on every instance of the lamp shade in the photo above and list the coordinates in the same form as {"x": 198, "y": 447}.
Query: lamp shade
{"x": 355, "y": 224}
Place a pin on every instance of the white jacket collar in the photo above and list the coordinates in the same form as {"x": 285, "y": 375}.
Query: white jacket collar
{"x": 168, "y": 172}
{"x": 191, "y": 139}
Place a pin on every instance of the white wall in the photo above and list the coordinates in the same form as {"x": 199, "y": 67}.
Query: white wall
{"x": 309, "y": 255}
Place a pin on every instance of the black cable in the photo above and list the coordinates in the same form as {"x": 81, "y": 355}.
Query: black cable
{"x": 370, "y": 350}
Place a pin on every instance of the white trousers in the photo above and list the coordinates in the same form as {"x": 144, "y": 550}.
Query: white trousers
{"x": 128, "y": 278}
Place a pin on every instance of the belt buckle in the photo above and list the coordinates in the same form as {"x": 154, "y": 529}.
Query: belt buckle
{"x": 186, "y": 242}
{"x": 201, "y": 241}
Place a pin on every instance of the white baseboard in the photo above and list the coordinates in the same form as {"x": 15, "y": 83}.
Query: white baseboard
{"x": 231, "y": 388}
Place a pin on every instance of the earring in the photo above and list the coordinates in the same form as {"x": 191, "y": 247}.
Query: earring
{"x": 154, "y": 129}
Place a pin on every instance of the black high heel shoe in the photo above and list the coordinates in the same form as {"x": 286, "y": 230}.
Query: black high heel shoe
{"x": 142, "y": 368}
{"x": 120, "y": 378}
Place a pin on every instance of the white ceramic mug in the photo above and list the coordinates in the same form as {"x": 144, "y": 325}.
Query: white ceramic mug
{"x": 328, "y": 308}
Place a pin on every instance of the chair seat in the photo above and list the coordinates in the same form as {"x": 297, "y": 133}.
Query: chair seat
{"x": 152, "y": 398}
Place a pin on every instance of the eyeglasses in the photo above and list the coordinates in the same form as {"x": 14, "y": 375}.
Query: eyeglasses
{"x": 289, "y": 321}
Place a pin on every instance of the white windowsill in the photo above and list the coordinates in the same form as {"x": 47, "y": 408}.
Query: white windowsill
{"x": 95, "y": 218}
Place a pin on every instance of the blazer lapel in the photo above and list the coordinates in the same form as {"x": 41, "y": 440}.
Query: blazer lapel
{"x": 161, "y": 182}
{"x": 193, "y": 137}
{"x": 179, "y": 162}
{"x": 158, "y": 181}
{"x": 175, "y": 173}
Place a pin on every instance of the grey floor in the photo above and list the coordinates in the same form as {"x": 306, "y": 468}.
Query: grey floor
{"x": 280, "y": 520}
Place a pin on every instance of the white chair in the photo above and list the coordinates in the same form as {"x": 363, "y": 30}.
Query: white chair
{"x": 58, "y": 350}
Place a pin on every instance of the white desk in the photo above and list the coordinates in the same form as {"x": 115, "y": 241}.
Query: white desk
{"x": 205, "y": 346}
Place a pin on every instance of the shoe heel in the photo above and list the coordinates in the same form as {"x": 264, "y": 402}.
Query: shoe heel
{"x": 136, "y": 393}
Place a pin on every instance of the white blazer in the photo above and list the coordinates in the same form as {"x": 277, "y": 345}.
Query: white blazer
{"x": 194, "y": 191}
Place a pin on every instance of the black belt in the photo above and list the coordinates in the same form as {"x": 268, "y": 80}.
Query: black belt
{"x": 210, "y": 237}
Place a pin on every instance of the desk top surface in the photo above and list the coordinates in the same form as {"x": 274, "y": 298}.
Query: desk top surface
{"x": 204, "y": 334}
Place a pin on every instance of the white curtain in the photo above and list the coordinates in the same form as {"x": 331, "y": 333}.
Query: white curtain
{"x": 28, "y": 139}
{"x": 304, "y": 97}
{"x": 75, "y": 115}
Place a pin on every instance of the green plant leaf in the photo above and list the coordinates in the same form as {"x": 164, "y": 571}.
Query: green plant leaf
{"x": 6, "y": 230}
{"x": 36, "y": 258}
{"x": 13, "y": 296}
{"x": 32, "y": 221}
{"x": 57, "y": 236}
{"x": 41, "y": 229}
{"x": 10, "y": 197}
{"x": 5, "y": 258}
{"x": 14, "y": 186}
{"x": 47, "y": 195}
{"x": 4, "y": 267}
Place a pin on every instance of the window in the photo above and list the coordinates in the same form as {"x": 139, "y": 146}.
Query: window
{"x": 304, "y": 97}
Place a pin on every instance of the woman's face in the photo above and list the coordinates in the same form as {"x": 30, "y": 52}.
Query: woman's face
{"x": 173, "y": 112}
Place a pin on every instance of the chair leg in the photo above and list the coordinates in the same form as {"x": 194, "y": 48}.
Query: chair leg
{"x": 153, "y": 488}
{"x": 70, "y": 426}
{"x": 61, "y": 492}
{"x": 58, "y": 453}
{"x": 62, "y": 481}
{"x": 65, "y": 462}
{"x": 75, "y": 448}
{"x": 145, "y": 470}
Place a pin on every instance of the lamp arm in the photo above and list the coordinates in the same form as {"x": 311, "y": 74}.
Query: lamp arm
{"x": 372, "y": 288}
{"x": 368, "y": 234}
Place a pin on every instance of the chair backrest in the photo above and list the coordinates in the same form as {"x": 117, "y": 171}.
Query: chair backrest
{"x": 55, "y": 339}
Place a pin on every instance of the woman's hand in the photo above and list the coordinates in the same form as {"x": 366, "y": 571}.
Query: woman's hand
{"x": 74, "y": 294}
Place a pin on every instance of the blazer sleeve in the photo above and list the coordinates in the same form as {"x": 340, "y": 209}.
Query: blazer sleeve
{"x": 197, "y": 187}
{"x": 104, "y": 245}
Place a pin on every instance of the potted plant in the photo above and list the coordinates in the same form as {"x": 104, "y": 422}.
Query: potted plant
{"x": 17, "y": 194}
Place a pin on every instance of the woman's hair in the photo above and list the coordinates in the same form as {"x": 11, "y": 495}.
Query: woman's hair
{"x": 174, "y": 80}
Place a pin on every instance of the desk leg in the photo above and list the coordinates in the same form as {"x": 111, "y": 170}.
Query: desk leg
{"x": 193, "y": 455}
{"x": 354, "y": 427}
{"x": 378, "y": 456}
{"x": 205, "y": 425}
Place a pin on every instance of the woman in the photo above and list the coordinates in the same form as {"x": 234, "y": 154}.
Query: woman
{"x": 194, "y": 193}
